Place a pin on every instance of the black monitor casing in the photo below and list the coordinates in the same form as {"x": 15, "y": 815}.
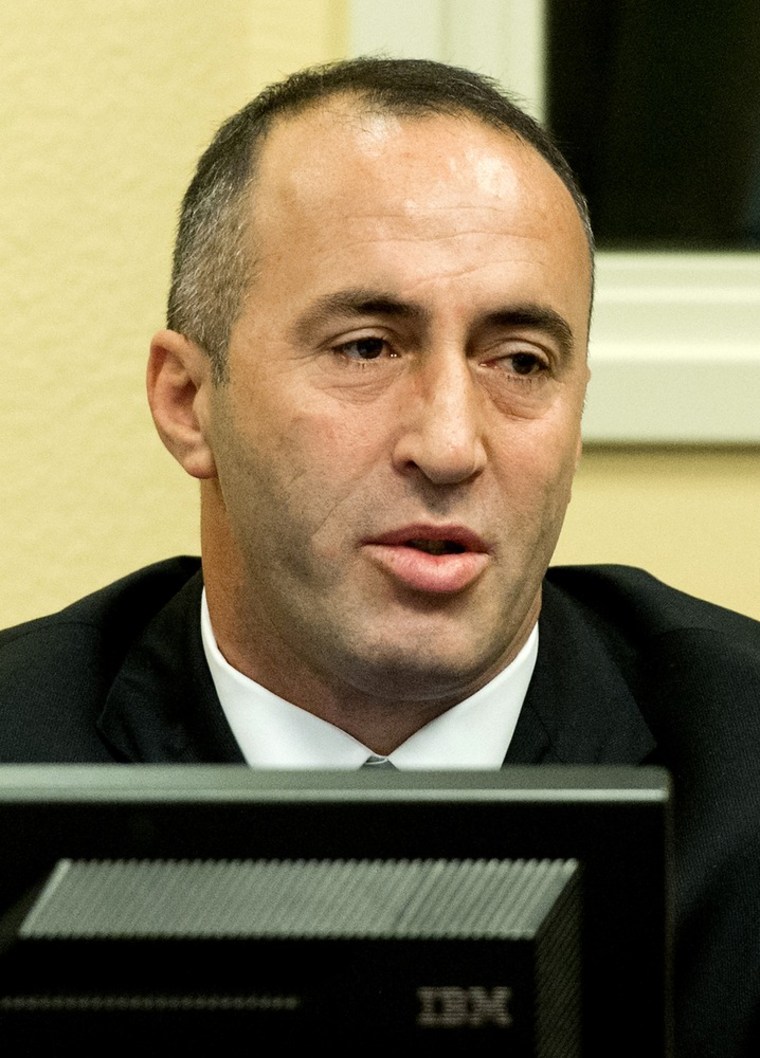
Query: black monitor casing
{"x": 523, "y": 912}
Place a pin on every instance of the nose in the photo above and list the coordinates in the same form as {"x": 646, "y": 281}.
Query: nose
{"x": 440, "y": 429}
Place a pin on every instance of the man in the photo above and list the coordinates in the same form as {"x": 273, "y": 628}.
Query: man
{"x": 375, "y": 365}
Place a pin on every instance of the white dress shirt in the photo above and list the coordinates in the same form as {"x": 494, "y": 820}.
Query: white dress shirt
{"x": 274, "y": 733}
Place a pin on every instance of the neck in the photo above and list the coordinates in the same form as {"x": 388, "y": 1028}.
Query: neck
{"x": 381, "y": 705}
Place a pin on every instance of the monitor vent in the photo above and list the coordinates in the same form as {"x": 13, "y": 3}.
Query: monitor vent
{"x": 382, "y": 899}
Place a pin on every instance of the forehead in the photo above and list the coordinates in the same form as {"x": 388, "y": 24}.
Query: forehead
{"x": 340, "y": 179}
{"x": 332, "y": 145}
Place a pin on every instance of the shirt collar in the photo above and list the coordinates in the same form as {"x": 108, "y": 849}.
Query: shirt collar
{"x": 274, "y": 733}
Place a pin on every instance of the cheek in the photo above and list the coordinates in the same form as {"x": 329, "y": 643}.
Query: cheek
{"x": 333, "y": 445}
{"x": 563, "y": 473}
{"x": 305, "y": 479}
{"x": 536, "y": 475}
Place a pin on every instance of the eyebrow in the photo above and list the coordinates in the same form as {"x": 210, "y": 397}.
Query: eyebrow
{"x": 536, "y": 317}
{"x": 357, "y": 302}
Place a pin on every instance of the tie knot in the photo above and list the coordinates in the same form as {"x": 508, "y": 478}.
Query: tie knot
{"x": 373, "y": 761}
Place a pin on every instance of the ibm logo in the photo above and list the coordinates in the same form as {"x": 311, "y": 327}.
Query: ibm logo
{"x": 452, "y": 1007}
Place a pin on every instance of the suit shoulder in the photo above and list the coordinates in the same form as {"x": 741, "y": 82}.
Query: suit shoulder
{"x": 126, "y": 604}
{"x": 631, "y": 597}
{"x": 57, "y": 670}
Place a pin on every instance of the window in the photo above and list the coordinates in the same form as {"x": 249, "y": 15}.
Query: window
{"x": 675, "y": 349}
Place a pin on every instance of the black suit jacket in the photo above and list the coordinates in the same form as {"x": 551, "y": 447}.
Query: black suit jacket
{"x": 629, "y": 671}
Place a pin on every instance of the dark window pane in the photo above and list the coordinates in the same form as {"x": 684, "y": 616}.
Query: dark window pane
{"x": 657, "y": 106}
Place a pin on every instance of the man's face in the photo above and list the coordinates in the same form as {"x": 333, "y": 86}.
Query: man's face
{"x": 396, "y": 443}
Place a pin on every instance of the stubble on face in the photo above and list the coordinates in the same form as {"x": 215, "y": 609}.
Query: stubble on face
{"x": 319, "y": 452}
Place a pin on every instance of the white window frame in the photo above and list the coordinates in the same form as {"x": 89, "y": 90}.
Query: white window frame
{"x": 675, "y": 346}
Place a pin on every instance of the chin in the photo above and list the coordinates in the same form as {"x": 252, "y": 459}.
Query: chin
{"x": 418, "y": 676}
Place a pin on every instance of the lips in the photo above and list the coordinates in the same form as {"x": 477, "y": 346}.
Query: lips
{"x": 438, "y": 547}
{"x": 430, "y": 558}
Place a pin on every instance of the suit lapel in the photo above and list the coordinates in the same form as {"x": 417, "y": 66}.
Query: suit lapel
{"x": 162, "y": 706}
{"x": 580, "y": 707}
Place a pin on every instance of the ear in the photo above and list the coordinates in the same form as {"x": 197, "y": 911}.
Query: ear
{"x": 179, "y": 384}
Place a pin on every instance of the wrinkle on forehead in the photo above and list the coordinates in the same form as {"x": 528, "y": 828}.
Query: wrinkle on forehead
{"x": 340, "y": 177}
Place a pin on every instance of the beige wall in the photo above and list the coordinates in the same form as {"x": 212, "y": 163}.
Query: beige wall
{"x": 690, "y": 516}
{"x": 106, "y": 105}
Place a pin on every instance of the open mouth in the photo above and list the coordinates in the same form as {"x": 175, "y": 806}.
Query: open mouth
{"x": 437, "y": 547}
{"x": 443, "y": 560}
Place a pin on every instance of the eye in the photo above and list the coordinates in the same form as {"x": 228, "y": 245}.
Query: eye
{"x": 519, "y": 362}
{"x": 525, "y": 364}
{"x": 364, "y": 349}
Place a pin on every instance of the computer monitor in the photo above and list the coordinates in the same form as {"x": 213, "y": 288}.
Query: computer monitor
{"x": 523, "y": 912}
